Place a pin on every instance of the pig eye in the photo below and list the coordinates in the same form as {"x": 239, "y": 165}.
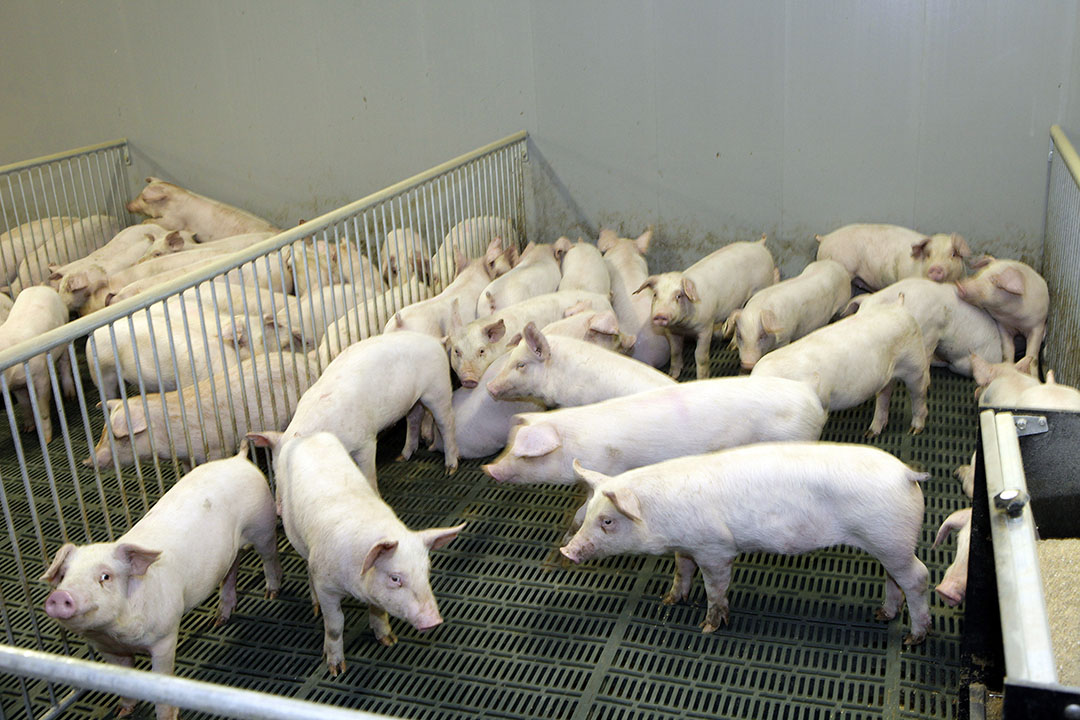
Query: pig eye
{"x": 395, "y": 580}
{"x": 105, "y": 577}
{"x": 606, "y": 524}
{"x": 457, "y": 353}
{"x": 481, "y": 351}
{"x": 521, "y": 366}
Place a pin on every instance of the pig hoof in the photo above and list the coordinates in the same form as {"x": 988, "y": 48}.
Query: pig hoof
{"x": 315, "y": 609}
{"x": 389, "y": 639}
{"x": 125, "y": 710}
{"x": 882, "y": 615}
{"x": 916, "y": 430}
{"x": 451, "y": 469}
{"x": 336, "y": 668}
{"x": 220, "y": 620}
{"x": 671, "y": 598}
{"x": 913, "y": 639}
{"x": 871, "y": 433}
{"x": 271, "y": 594}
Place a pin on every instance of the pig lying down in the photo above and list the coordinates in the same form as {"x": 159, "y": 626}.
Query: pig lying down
{"x": 787, "y": 498}
{"x": 127, "y": 597}
{"x": 879, "y": 255}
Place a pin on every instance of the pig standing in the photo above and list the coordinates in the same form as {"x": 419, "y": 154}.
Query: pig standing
{"x": 353, "y": 543}
{"x": 583, "y": 267}
{"x": 536, "y": 273}
{"x": 699, "y": 300}
{"x": 627, "y": 268}
{"x": 1017, "y": 297}
{"x": 36, "y": 310}
{"x": 953, "y": 586}
{"x": 787, "y": 498}
{"x": 206, "y": 421}
{"x": 856, "y": 358}
{"x": 370, "y": 386}
{"x": 471, "y": 235}
{"x": 784, "y": 312}
{"x": 177, "y": 208}
{"x": 951, "y": 328}
{"x": 128, "y": 597}
{"x": 563, "y": 371}
{"x": 879, "y": 255}
{"x": 474, "y": 346}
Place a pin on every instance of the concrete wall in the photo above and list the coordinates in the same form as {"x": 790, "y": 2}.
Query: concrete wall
{"x": 714, "y": 121}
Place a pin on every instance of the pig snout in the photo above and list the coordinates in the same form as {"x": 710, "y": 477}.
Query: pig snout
{"x": 494, "y": 472}
{"x": 60, "y": 605}
{"x": 570, "y": 553}
{"x": 936, "y": 273}
{"x": 496, "y": 389}
{"x": 951, "y": 591}
{"x": 428, "y": 621}
{"x": 661, "y": 319}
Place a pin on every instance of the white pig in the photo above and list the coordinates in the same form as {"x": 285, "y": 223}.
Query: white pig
{"x": 403, "y": 252}
{"x": 125, "y": 249}
{"x": 177, "y": 208}
{"x": 966, "y": 475}
{"x": 128, "y": 597}
{"x": 951, "y": 328}
{"x": 257, "y": 393}
{"x": 73, "y": 242}
{"x": 685, "y": 418}
{"x": 953, "y": 586}
{"x": 370, "y": 386}
{"x": 856, "y": 358}
{"x": 562, "y": 371}
{"x": 36, "y": 310}
{"x": 699, "y": 300}
{"x": 1017, "y": 297}
{"x": 472, "y": 235}
{"x": 627, "y": 268}
{"x": 536, "y": 273}
{"x": 18, "y": 242}
{"x": 784, "y": 312}
{"x": 583, "y": 267}
{"x": 1001, "y": 384}
{"x": 312, "y": 264}
{"x": 878, "y": 255}
{"x": 1051, "y": 396}
{"x": 787, "y": 498}
{"x": 353, "y": 543}
{"x": 594, "y": 327}
{"x": 473, "y": 346}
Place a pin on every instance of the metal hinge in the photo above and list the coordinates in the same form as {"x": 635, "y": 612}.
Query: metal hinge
{"x": 1030, "y": 425}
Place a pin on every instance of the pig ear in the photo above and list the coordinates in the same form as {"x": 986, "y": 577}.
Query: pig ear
{"x": 265, "y": 439}
{"x": 589, "y": 477}
{"x": 1024, "y": 364}
{"x": 626, "y": 502}
{"x": 55, "y": 574}
{"x": 982, "y": 261}
{"x": 495, "y": 331}
{"x": 562, "y": 246}
{"x": 174, "y": 241}
{"x": 918, "y": 249}
{"x": 605, "y": 323}
{"x": 644, "y": 240}
{"x": 538, "y": 344}
{"x": 138, "y": 559}
{"x": 1050, "y": 378}
{"x": 493, "y": 251}
{"x": 235, "y": 330}
{"x": 960, "y": 246}
{"x": 1010, "y": 280}
{"x": 769, "y": 323}
{"x": 578, "y": 307}
{"x": 490, "y": 300}
{"x": 437, "y": 538}
{"x": 54, "y": 276}
{"x": 455, "y": 315}
{"x": 76, "y": 281}
{"x": 511, "y": 255}
{"x": 690, "y": 290}
{"x": 607, "y": 240}
{"x": 536, "y": 440}
{"x": 514, "y": 341}
{"x": 650, "y": 282}
{"x": 460, "y": 261}
{"x": 378, "y": 549}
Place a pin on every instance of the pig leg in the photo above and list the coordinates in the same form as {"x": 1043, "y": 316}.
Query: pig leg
{"x": 701, "y": 352}
{"x": 412, "y": 431}
{"x": 717, "y": 576}
{"x": 63, "y": 369}
{"x": 263, "y": 538}
{"x": 333, "y": 629}
{"x": 127, "y": 705}
{"x": 914, "y": 370}
{"x": 881, "y": 410}
{"x": 379, "y": 621}
{"x": 1033, "y": 342}
{"x": 228, "y": 594}
{"x": 685, "y": 567}
{"x": 906, "y": 578}
{"x": 427, "y": 430}
{"x": 437, "y": 399}
{"x": 675, "y": 342}
{"x": 1008, "y": 345}
{"x": 364, "y": 457}
{"x": 43, "y": 391}
{"x": 162, "y": 661}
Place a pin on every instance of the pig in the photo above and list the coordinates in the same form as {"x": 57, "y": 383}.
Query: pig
{"x": 966, "y": 475}
{"x": 6, "y": 304}
{"x": 856, "y": 358}
{"x": 320, "y": 309}
{"x": 536, "y": 273}
{"x": 953, "y": 586}
{"x": 433, "y": 316}
{"x": 878, "y": 255}
{"x": 787, "y": 498}
{"x": 1001, "y": 384}
{"x": 353, "y": 543}
{"x": 177, "y": 208}
{"x": 627, "y": 269}
{"x": 370, "y": 386}
{"x": 778, "y": 314}
{"x": 128, "y": 597}
{"x": 595, "y": 327}
{"x": 472, "y": 347}
{"x": 73, "y": 242}
{"x": 699, "y": 300}
{"x": 583, "y": 267}
{"x": 313, "y": 264}
{"x": 173, "y": 242}
{"x": 158, "y": 336}
{"x": 20, "y": 241}
{"x": 951, "y": 328}
{"x": 125, "y": 249}
{"x": 563, "y": 371}
{"x": 403, "y": 251}
{"x": 1014, "y": 295}
{"x": 1051, "y": 396}
{"x": 471, "y": 235}
{"x": 206, "y": 421}
{"x": 36, "y": 310}
{"x": 240, "y": 299}
{"x": 626, "y": 432}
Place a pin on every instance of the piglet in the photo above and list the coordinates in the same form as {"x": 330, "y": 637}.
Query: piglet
{"x": 596, "y": 327}
{"x": 1001, "y": 384}
{"x": 583, "y": 267}
{"x": 536, "y": 273}
{"x": 628, "y": 269}
{"x": 1017, "y": 297}
{"x": 787, "y": 498}
{"x": 176, "y": 208}
{"x": 354, "y": 544}
{"x": 471, "y": 236}
{"x": 878, "y": 255}
{"x": 699, "y": 300}
{"x": 22, "y": 240}
{"x": 953, "y": 586}
{"x": 128, "y": 597}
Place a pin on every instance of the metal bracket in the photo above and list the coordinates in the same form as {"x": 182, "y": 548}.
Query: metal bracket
{"x": 1030, "y": 425}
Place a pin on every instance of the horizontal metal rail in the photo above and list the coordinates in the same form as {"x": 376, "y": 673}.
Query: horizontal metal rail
{"x": 157, "y": 688}
{"x": 1067, "y": 152}
{"x": 22, "y": 165}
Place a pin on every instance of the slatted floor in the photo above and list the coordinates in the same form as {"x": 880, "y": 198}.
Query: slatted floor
{"x": 528, "y": 637}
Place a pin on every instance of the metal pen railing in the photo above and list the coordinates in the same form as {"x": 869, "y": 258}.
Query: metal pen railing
{"x": 199, "y": 361}
{"x": 1061, "y": 260}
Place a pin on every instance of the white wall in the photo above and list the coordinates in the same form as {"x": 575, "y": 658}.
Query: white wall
{"x": 715, "y": 121}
